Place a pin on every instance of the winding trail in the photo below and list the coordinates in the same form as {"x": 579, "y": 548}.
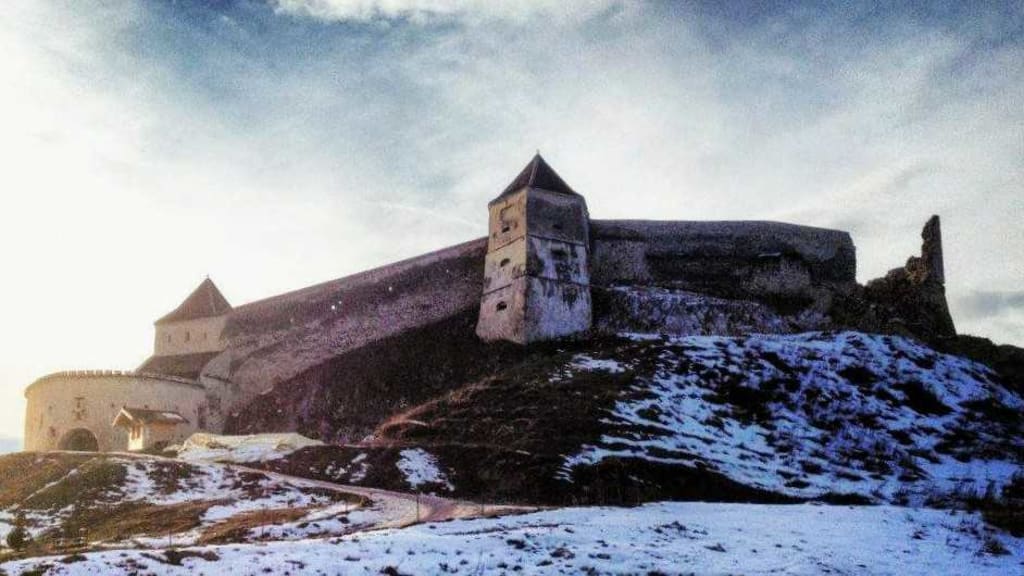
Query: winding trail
{"x": 398, "y": 509}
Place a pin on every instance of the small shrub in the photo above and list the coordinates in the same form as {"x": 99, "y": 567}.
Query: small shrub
{"x": 994, "y": 547}
{"x": 18, "y": 537}
{"x": 922, "y": 400}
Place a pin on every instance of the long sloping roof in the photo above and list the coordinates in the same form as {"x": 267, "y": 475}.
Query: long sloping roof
{"x": 204, "y": 302}
{"x": 538, "y": 174}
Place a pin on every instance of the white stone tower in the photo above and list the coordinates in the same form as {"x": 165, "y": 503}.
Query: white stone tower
{"x": 536, "y": 274}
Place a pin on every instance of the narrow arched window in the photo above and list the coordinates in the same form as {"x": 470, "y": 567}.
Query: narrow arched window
{"x": 188, "y": 336}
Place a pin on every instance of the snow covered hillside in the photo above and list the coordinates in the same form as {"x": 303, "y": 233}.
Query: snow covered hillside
{"x": 843, "y": 417}
{"x": 662, "y": 538}
{"x": 882, "y": 417}
{"x": 77, "y": 500}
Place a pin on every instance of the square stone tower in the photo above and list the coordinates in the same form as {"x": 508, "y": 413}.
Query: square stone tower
{"x": 195, "y": 326}
{"x": 536, "y": 273}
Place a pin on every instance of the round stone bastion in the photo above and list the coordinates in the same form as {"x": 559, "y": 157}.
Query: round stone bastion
{"x": 75, "y": 410}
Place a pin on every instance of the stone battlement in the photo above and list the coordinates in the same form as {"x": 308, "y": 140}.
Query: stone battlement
{"x": 108, "y": 374}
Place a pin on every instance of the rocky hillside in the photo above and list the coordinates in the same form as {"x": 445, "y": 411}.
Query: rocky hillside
{"x": 844, "y": 416}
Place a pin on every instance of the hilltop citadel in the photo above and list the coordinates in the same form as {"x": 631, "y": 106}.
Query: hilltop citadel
{"x": 545, "y": 271}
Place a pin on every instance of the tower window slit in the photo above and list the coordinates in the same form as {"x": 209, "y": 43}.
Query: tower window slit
{"x": 504, "y": 262}
{"x": 501, "y": 306}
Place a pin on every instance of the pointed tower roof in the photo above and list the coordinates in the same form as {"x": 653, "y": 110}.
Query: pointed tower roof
{"x": 538, "y": 174}
{"x": 204, "y": 302}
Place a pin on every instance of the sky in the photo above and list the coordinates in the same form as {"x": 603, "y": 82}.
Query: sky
{"x": 273, "y": 144}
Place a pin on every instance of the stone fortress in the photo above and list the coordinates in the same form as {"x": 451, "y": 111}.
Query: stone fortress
{"x": 545, "y": 271}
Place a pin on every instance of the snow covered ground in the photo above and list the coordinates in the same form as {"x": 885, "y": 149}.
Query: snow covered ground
{"x": 660, "y": 538}
{"x": 878, "y": 416}
{"x": 151, "y": 493}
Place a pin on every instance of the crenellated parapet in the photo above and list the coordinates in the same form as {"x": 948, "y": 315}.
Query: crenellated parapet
{"x": 88, "y": 375}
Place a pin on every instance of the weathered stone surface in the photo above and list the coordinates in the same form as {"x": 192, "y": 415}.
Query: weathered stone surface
{"x": 663, "y": 311}
{"x": 653, "y": 252}
{"x": 556, "y": 309}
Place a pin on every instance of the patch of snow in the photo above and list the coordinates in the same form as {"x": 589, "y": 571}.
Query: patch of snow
{"x": 584, "y": 362}
{"x": 202, "y": 447}
{"x": 420, "y": 467}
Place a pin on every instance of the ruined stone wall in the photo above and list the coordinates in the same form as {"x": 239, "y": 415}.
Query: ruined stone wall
{"x": 742, "y": 260}
{"x": 66, "y": 401}
{"x": 912, "y": 299}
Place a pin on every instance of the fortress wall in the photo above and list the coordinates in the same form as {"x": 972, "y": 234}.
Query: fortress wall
{"x": 274, "y": 340}
{"x": 277, "y": 339}
{"x": 62, "y": 402}
{"x": 352, "y": 293}
{"x": 729, "y": 259}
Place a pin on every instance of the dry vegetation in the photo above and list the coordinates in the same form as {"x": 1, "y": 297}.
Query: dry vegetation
{"x": 72, "y": 503}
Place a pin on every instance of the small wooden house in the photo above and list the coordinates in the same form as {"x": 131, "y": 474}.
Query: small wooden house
{"x": 151, "y": 429}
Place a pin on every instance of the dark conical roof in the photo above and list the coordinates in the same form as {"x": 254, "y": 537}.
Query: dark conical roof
{"x": 204, "y": 302}
{"x": 538, "y": 174}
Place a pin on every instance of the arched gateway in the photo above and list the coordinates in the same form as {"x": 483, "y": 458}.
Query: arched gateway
{"x": 79, "y": 440}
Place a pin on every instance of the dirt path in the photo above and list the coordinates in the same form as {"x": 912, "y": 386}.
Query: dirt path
{"x": 401, "y": 509}
{"x": 396, "y": 509}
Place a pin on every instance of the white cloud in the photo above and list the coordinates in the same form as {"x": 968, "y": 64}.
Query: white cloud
{"x": 434, "y": 10}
